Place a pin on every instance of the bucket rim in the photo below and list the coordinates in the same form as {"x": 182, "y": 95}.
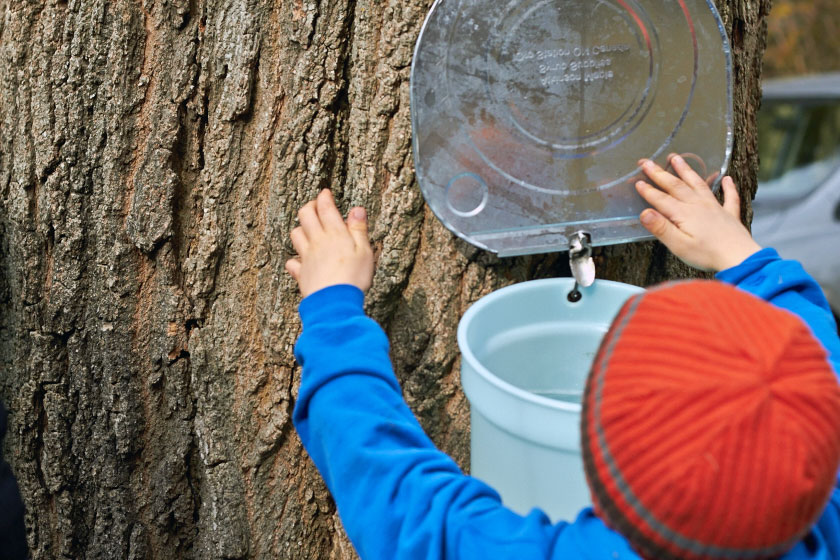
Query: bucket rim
{"x": 522, "y": 394}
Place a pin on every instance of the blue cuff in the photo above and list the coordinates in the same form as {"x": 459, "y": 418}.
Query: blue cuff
{"x": 331, "y": 304}
{"x": 752, "y": 264}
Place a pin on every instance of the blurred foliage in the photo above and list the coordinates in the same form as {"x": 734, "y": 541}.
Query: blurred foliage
{"x": 803, "y": 37}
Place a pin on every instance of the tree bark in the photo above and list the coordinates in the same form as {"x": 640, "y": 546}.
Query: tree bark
{"x": 152, "y": 159}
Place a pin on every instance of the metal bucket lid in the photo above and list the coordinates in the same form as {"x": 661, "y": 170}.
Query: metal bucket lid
{"x": 529, "y": 117}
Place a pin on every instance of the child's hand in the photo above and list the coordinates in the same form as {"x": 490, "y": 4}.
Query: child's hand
{"x": 330, "y": 251}
{"x": 689, "y": 220}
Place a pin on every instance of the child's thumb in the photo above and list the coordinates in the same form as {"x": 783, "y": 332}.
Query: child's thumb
{"x": 357, "y": 224}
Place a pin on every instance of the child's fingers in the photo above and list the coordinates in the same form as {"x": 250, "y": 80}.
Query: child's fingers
{"x": 687, "y": 174}
{"x": 328, "y": 212}
{"x": 662, "y": 228}
{"x": 664, "y": 180}
{"x": 308, "y": 218}
{"x": 293, "y": 268}
{"x": 665, "y": 203}
{"x": 357, "y": 224}
{"x": 731, "y": 198}
{"x": 299, "y": 240}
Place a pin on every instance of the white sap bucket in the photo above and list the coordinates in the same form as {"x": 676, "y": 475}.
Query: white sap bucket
{"x": 526, "y": 352}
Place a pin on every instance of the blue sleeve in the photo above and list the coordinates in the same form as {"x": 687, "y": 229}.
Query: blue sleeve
{"x": 787, "y": 285}
{"x": 398, "y": 496}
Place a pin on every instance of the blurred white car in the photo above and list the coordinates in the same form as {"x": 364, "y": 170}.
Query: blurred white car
{"x": 797, "y": 207}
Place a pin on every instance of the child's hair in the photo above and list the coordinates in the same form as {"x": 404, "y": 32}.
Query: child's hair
{"x": 711, "y": 425}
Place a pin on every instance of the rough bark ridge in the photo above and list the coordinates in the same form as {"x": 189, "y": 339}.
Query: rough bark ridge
{"x": 152, "y": 157}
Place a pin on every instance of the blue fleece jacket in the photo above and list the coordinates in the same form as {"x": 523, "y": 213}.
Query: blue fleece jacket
{"x": 399, "y": 497}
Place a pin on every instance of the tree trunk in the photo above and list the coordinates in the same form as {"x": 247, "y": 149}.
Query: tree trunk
{"x": 152, "y": 159}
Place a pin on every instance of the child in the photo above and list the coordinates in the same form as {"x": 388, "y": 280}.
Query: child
{"x": 710, "y": 423}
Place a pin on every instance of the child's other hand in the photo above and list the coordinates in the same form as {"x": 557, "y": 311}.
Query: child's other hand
{"x": 689, "y": 220}
{"x": 330, "y": 251}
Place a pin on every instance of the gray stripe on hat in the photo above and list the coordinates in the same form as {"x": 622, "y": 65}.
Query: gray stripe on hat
{"x": 666, "y": 533}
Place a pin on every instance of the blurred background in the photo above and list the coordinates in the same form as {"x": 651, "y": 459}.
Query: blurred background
{"x": 797, "y": 207}
{"x": 803, "y": 37}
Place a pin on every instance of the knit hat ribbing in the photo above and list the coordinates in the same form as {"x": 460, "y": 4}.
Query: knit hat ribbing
{"x": 710, "y": 425}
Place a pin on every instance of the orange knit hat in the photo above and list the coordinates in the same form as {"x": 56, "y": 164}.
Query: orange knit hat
{"x": 710, "y": 426}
